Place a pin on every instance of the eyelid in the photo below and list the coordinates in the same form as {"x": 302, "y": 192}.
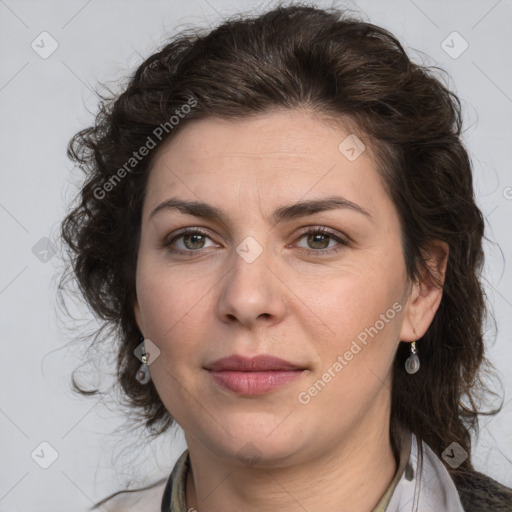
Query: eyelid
{"x": 191, "y": 230}
{"x": 341, "y": 239}
{"x": 325, "y": 230}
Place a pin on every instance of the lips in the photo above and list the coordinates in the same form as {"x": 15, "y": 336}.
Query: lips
{"x": 259, "y": 363}
{"x": 253, "y": 376}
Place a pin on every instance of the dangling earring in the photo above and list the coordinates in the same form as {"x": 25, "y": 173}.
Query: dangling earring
{"x": 143, "y": 375}
{"x": 412, "y": 364}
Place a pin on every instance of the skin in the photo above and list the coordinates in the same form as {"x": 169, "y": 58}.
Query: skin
{"x": 304, "y": 308}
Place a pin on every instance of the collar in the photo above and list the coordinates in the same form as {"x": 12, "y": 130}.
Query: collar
{"x": 425, "y": 485}
{"x": 421, "y": 483}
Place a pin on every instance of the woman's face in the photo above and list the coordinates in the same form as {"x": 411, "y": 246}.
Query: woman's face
{"x": 261, "y": 280}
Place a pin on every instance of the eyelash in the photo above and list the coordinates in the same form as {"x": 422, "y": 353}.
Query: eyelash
{"x": 317, "y": 230}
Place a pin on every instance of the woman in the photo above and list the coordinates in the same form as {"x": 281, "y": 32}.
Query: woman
{"x": 279, "y": 220}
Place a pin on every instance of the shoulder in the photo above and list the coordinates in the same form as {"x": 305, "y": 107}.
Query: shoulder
{"x": 480, "y": 492}
{"x": 149, "y": 499}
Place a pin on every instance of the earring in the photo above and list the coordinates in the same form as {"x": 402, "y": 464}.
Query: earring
{"x": 412, "y": 364}
{"x": 143, "y": 375}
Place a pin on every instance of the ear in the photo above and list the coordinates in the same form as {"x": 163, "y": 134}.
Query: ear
{"x": 426, "y": 294}
{"x": 138, "y": 316}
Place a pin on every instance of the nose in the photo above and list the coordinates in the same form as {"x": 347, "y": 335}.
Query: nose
{"x": 252, "y": 293}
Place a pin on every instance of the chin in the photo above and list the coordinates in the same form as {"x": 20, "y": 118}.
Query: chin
{"x": 261, "y": 445}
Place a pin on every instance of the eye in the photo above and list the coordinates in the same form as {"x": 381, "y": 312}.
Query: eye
{"x": 192, "y": 241}
{"x": 319, "y": 239}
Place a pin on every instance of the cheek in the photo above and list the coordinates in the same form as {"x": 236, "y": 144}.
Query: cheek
{"x": 164, "y": 291}
{"x": 172, "y": 309}
{"x": 174, "y": 314}
{"x": 347, "y": 303}
{"x": 357, "y": 317}
{"x": 356, "y": 358}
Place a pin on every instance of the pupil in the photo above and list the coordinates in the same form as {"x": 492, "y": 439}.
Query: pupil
{"x": 313, "y": 237}
{"x": 195, "y": 236}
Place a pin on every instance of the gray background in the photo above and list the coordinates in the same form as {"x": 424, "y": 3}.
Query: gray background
{"x": 44, "y": 101}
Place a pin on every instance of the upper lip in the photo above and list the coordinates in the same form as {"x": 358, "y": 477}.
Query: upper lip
{"x": 251, "y": 364}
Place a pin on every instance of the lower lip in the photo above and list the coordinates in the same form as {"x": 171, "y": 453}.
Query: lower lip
{"x": 254, "y": 383}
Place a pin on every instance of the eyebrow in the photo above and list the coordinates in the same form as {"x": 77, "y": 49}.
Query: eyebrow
{"x": 284, "y": 213}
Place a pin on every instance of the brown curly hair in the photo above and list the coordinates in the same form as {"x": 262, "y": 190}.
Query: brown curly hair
{"x": 291, "y": 57}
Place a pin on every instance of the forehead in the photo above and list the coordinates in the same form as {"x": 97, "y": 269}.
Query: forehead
{"x": 289, "y": 154}
{"x": 288, "y": 134}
